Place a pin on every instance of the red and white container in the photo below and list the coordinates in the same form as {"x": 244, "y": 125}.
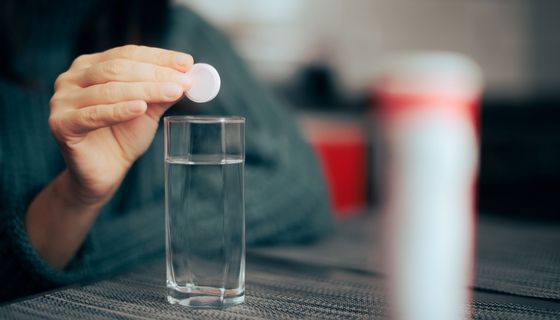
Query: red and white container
{"x": 428, "y": 109}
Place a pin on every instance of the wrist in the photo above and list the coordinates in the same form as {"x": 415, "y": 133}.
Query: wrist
{"x": 72, "y": 195}
{"x": 57, "y": 220}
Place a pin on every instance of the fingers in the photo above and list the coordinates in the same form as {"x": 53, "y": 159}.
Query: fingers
{"x": 113, "y": 92}
{"x": 126, "y": 71}
{"x": 105, "y": 89}
{"x": 166, "y": 58}
{"x": 80, "y": 121}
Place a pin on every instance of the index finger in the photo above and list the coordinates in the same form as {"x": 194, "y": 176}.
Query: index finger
{"x": 166, "y": 58}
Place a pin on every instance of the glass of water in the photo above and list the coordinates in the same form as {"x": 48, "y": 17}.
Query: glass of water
{"x": 204, "y": 210}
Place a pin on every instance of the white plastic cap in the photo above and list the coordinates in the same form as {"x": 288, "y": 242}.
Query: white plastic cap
{"x": 205, "y": 83}
{"x": 430, "y": 71}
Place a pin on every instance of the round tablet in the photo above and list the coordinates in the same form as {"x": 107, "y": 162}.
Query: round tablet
{"x": 205, "y": 83}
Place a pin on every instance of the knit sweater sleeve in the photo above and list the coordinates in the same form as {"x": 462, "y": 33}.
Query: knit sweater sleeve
{"x": 22, "y": 270}
{"x": 285, "y": 192}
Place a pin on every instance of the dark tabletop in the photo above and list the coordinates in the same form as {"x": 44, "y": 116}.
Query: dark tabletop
{"x": 517, "y": 277}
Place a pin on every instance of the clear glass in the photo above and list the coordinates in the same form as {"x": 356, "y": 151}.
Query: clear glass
{"x": 205, "y": 210}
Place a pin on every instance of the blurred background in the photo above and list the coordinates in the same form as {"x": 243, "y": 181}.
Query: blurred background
{"x": 320, "y": 56}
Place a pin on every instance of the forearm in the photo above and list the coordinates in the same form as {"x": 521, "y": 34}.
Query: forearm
{"x": 57, "y": 222}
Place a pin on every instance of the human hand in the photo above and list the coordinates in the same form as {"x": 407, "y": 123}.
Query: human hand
{"x": 106, "y": 109}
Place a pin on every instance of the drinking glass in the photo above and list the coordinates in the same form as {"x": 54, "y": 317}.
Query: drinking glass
{"x": 204, "y": 210}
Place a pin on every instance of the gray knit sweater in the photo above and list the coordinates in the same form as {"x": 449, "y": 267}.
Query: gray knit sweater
{"x": 285, "y": 196}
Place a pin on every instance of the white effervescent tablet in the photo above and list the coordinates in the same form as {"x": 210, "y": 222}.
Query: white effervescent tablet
{"x": 205, "y": 83}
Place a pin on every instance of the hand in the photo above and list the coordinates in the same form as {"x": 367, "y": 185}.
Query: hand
{"x": 105, "y": 112}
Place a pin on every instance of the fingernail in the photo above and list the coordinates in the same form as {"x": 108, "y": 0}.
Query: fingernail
{"x": 182, "y": 60}
{"x": 172, "y": 91}
{"x": 136, "y": 107}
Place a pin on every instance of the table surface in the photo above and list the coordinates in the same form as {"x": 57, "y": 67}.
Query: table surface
{"x": 517, "y": 277}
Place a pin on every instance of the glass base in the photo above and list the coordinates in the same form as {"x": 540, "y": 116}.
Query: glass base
{"x": 205, "y": 297}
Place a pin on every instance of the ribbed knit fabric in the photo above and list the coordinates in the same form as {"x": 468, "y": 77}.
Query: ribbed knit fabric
{"x": 284, "y": 192}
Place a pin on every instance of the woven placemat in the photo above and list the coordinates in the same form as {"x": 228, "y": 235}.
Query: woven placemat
{"x": 512, "y": 256}
{"x": 275, "y": 290}
{"x": 521, "y": 258}
{"x": 336, "y": 278}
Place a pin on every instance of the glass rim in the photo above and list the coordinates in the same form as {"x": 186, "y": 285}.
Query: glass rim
{"x": 205, "y": 119}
